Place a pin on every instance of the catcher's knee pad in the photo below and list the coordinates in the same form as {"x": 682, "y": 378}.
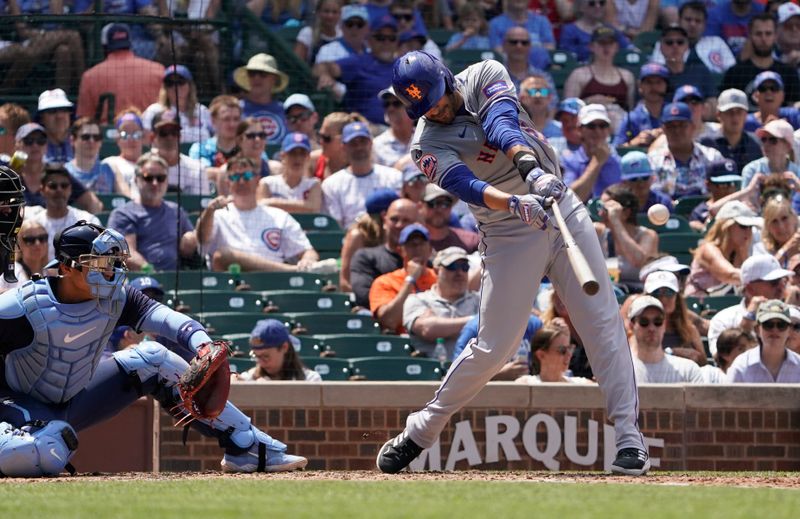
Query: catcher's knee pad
{"x": 149, "y": 359}
{"x": 33, "y": 451}
{"x": 241, "y": 433}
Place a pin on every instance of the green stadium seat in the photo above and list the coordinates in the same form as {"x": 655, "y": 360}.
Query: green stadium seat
{"x": 283, "y": 280}
{"x": 676, "y": 223}
{"x": 190, "y": 203}
{"x": 240, "y": 343}
{"x": 684, "y": 206}
{"x": 305, "y": 301}
{"x": 355, "y": 345}
{"x": 624, "y": 150}
{"x": 646, "y": 41}
{"x": 103, "y": 217}
{"x": 440, "y": 36}
{"x": 192, "y": 280}
{"x": 327, "y": 243}
{"x": 631, "y": 59}
{"x": 678, "y": 242}
{"x": 396, "y": 368}
{"x": 328, "y": 368}
{"x": 562, "y": 63}
{"x": 203, "y": 301}
{"x": 593, "y": 206}
{"x": 317, "y": 222}
{"x": 112, "y": 201}
{"x": 241, "y": 364}
{"x": 329, "y": 323}
{"x": 224, "y": 323}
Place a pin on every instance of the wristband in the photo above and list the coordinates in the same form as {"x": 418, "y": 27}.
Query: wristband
{"x": 750, "y": 316}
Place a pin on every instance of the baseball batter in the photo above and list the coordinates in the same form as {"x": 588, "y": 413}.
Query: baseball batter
{"x": 55, "y": 382}
{"x": 474, "y": 139}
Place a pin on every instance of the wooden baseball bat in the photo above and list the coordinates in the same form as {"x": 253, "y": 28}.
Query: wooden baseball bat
{"x": 576, "y": 258}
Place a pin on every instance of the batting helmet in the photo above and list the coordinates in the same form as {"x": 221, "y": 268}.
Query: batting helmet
{"x": 420, "y": 80}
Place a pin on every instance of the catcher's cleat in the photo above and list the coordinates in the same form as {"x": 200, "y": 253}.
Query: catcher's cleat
{"x": 397, "y": 453}
{"x": 631, "y": 462}
{"x": 268, "y": 461}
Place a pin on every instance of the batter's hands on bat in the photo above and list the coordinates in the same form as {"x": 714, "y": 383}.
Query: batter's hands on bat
{"x": 539, "y": 182}
{"x": 529, "y": 209}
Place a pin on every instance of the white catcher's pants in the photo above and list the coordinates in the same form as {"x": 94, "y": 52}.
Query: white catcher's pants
{"x": 515, "y": 258}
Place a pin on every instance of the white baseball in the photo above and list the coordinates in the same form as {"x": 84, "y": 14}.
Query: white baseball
{"x": 658, "y": 214}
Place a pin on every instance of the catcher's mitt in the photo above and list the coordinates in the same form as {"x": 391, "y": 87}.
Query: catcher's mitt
{"x": 205, "y": 384}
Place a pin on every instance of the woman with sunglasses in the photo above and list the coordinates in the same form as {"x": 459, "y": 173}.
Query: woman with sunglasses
{"x": 292, "y": 190}
{"x": 551, "y": 352}
{"x": 32, "y": 255}
{"x": 780, "y": 154}
{"x": 251, "y": 141}
{"x": 86, "y": 139}
{"x": 771, "y": 362}
{"x": 716, "y": 265}
{"x": 331, "y": 157}
{"x": 130, "y": 141}
{"x": 680, "y": 335}
{"x": 324, "y": 29}
{"x": 780, "y": 236}
{"x": 391, "y": 147}
{"x": 178, "y": 91}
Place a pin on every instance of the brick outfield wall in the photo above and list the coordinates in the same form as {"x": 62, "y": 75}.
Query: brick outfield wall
{"x": 340, "y": 426}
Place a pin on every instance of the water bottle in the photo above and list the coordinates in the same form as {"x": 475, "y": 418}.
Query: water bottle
{"x": 439, "y": 351}
{"x": 235, "y": 270}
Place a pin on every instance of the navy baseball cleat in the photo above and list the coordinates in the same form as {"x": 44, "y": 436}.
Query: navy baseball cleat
{"x": 397, "y": 453}
{"x": 631, "y": 462}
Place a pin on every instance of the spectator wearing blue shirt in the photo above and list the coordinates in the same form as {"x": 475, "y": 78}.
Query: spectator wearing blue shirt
{"x": 769, "y": 95}
{"x": 86, "y": 140}
{"x": 516, "y": 49}
{"x": 642, "y": 125}
{"x": 732, "y": 140}
{"x": 516, "y": 14}
{"x": 674, "y": 44}
{"x": 575, "y": 37}
{"x": 54, "y": 112}
{"x": 594, "y": 166}
{"x": 280, "y": 14}
{"x": 535, "y": 96}
{"x": 729, "y": 20}
{"x": 367, "y": 74}
{"x": 514, "y": 368}
{"x": 637, "y": 176}
{"x": 474, "y": 34}
{"x": 410, "y": 27}
{"x": 261, "y": 79}
{"x": 567, "y": 115}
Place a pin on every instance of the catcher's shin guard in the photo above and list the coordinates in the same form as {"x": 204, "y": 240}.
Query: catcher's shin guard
{"x": 149, "y": 359}
{"x": 42, "y": 449}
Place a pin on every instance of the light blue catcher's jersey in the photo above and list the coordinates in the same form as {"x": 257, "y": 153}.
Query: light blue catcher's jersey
{"x": 68, "y": 341}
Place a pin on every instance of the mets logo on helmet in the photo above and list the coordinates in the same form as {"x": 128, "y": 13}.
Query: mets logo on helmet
{"x": 272, "y": 238}
{"x": 427, "y": 164}
{"x": 414, "y": 92}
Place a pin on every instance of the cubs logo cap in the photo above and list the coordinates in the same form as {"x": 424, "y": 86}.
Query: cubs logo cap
{"x": 676, "y": 112}
{"x": 723, "y": 172}
{"x": 687, "y": 92}
{"x": 353, "y": 130}
{"x": 295, "y": 140}
{"x": 765, "y": 76}
{"x": 653, "y": 70}
{"x": 268, "y": 333}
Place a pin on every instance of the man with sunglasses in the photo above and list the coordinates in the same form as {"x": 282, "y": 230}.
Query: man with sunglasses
{"x": 652, "y": 364}
{"x": 355, "y": 30}
{"x": 722, "y": 179}
{"x": 56, "y": 383}
{"x": 302, "y": 117}
{"x": 437, "y": 211}
{"x": 261, "y": 79}
{"x": 674, "y": 44}
{"x": 762, "y": 279}
{"x": 86, "y": 139}
{"x": 642, "y": 125}
{"x": 536, "y": 96}
{"x": 761, "y": 36}
{"x": 58, "y": 214}
{"x": 594, "y": 166}
{"x": 769, "y": 96}
{"x": 391, "y": 147}
{"x": 184, "y": 173}
{"x": 137, "y": 221}
{"x": 521, "y": 59}
{"x": 443, "y": 310}
{"x": 517, "y": 14}
{"x": 771, "y": 362}
{"x": 732, "y": 140}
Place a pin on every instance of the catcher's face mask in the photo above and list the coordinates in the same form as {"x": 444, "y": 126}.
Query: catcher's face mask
{"x": 105, "y": 266}
{"x": 12, "y": 203}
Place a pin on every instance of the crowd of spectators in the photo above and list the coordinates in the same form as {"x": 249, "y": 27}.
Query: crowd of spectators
{"x": 708, "y": 113}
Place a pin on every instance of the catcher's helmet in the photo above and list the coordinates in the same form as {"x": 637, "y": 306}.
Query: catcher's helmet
{"x": 12, "y": 203}
{"x": 420, "y": 80}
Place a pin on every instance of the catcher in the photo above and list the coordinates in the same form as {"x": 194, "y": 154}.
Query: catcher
{"x": 53, "y": 383}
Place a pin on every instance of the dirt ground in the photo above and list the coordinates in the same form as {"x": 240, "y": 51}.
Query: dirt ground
{"x": 681, "y": 479}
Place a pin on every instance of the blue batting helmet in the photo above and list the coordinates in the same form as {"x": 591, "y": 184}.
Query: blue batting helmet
{"x": 420, "y": 80}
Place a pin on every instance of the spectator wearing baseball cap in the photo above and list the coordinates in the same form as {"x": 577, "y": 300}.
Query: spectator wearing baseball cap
{"x": 353, "y": 37}
{"x": 576, "y": 37}
{"x": 178, "y": 90}
{"x": 741, "y": 75}
{"x": 293, "y": 190}
{"x": 149, "y": 286}
{"x": 770, "y": 96}
{"x": 595, "y": 165}
{"x": 54, "y": 112}
{"x": 694, "y": 98}
{"x": 732, "y": 141}
{"x": 345, "y": 191}
{"x": 391, "y": 147}
{"x": 681, "y": 336}
{"x": 273, "y": 348}
{"x": 680, "y": 166}
{"x": 637, "y": 176}
{"x": 779, "y": 148}
{"x": 640, "y": 126}
{"x": 389, "y": 292}
{"x": 261, "y": 79}
{"x": 666, "y": 263}
{"x": 651, "y": 362}
{"x": 437, "y": 214}
{"x": 772, "y": 362}
{"x": 302, "y": 117}
{"x": 722, "y": 180}
{"x": 762, "y": 278}
{"x": 185, "y": 173}
{"x": 134, "y": 81}
{"x": 567, "y": 115}
{"x": 414, "y": 183}
{"x": 788, "y": 36}
{"x": 674, "y": 46}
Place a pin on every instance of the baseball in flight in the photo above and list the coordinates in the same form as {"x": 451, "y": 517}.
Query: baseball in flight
{"x": 658, "y": 214}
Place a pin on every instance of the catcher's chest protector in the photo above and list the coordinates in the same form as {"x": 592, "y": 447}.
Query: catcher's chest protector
{"x": 67, "y": 345}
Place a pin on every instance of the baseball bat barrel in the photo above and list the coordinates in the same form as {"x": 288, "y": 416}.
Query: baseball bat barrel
{"x": 576, "y": 258}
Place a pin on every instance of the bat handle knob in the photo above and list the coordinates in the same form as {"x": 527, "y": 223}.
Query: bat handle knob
{"x": 548, "y": 202}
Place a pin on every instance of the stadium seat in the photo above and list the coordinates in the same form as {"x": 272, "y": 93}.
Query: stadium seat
{"x": 329, "y": 323}
{"x": 396, "y": 368}
{"x": 305, "y": 301}
{"x": 562, "y": 63}
{"x": 355, "y": 345}
{"x": 284, "y": 280}
{"x": 316, "y": 222}
{"x": 678, "y": 242}
{"x": 328, "y": 368}
{"x": 192, "y": 279}
{"x": 685, "y": 206}
{"x": 112, "y": 201}
{"x": 440, "y": 36}
{"x": 646, "y": 41}
{"x": 631, "y": 59}
{"x": 624, "y": 150}
{"x": 327, "y": 243}
{"x": 203, "y": 301}
{"x": 224, "y": 323}
{"x": 103, "y": 217}
{"x": 240, "y": 343}
{"x": 593, "y": 206}
{"x": 676, "y": 223}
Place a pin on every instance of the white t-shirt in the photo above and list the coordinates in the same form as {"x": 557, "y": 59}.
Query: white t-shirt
{"x": 193, "y": 179}
{"x": 201, "y": 130}
{"x": 268, "y": 232}
{"x": 280, "y": 189}
{"x": 306, "y": 36}
{"x": 56, "y": 225}
{"x": 712, "y": 51}
{"x": 311, "y": 376}
{"x": 670, "y": 370}
{"x": 345, "y": 194}
{"x": 387, "y": 150}
{"x": 126, "y": 171}
{"x": 536, "y": 379}
{"x": 712, "y": 374}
